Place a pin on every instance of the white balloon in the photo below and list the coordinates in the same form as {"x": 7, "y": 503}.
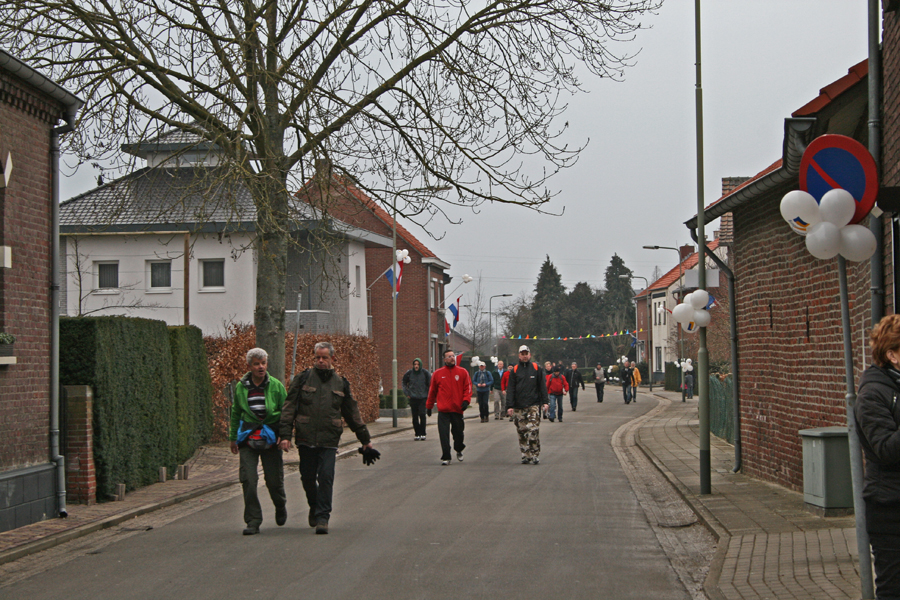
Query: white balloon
{"x": 690, "y": 361}
{"x": 690, "y": 326}
{"x": 800, "y": 210}
{"x": 690, "y": 368}
{"x": 699, "y": 298}
{"x": 687, "y": 298}
{"x": 405, "y": 253}
{"x": 824, "y": 240}
{"x": 399, "y": 254}
{"x": 837, "y": 206}
{"x": 857, "y": 243}
{"x": 406, "y": 260}
{"x": 683, "y": 313}
{"x": 702, "y": 318}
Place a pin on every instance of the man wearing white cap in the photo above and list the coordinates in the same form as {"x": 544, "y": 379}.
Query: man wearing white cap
{"x": 526, "y": 392}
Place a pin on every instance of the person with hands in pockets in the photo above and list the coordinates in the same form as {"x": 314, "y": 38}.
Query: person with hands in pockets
{"x": 451, "y": 392}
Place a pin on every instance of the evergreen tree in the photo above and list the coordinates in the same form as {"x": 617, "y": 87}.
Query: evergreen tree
{"x": 618, "y": 304}
{"x": 549, "y": 294}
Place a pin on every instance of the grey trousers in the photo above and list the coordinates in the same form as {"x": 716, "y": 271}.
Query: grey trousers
{"x": 273, "y": 471}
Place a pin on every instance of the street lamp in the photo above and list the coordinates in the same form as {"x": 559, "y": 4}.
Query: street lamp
{"x": 680, "y": 286}
{"x": 490, "y": 313}
{"x": 649, "y": 326}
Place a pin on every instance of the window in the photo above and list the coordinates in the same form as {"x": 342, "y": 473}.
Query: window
{"x": 432, "y": 295}
{"x": 160, "y": 275}
{"x": 658, "y": 363}
{"x": 358, "y": 281}
{"x": 213, "y": 273}
{"x": 107, "y": 276}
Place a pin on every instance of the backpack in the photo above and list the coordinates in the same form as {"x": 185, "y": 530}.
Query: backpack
{"x": 555, "y": 385}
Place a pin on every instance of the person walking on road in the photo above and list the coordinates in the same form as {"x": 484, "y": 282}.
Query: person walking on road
{"x": 504, "y": 383}
{"x": 497, "y": 393}
{"x": 877, "y": 423}
{"x": 416, "y": 382}
{"x": 625, "y": 380}
{"x": 635, "y": 381}
{"x": 255, "y": 413}
{"x": 557, "y": 387}
{"x": 450, "y": 391}
{"x": 483, "y": 382}
{"x": 574, "y": 378}
{"x": 526, "y": 395}
{"x": 599, "y": 381}
{"x": 317, "y": 400}
{"x": 689, "y": 384}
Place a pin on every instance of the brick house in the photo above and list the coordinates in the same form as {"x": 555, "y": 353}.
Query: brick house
{"x": 790, "y": 344}
{"x": 420, "y": 304}
{"x": 31, "y": 108}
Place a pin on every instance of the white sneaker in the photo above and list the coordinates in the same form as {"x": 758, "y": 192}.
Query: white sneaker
{"x": 535, "y": 461}
{"x": 444, "y": 463}
{"x": 459, "y": 456}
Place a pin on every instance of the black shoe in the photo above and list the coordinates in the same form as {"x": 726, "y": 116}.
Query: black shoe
{"x": 526, "y": 460}
{"x": 321, "y": 528}
{"x": 312, "y": 517}
{"x": 280, "y": 515}
{"x": 552, "y": 419}
{"x": 573, "y": 409}
{"x": 560, "y": 419}
{"x": 251, "y": 530}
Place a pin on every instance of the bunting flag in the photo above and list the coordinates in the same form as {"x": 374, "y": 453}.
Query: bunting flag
{"x": 633, "y": 333}
{"x": 396, "y": 268}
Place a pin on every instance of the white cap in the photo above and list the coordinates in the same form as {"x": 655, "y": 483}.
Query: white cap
{"x": 524, "y": 348}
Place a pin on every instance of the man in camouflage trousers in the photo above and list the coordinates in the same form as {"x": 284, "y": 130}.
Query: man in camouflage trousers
{"x": 526, "y": 396}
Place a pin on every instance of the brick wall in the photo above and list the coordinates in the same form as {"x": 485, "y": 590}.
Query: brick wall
{"x": 26, "y": 118}
{"x": 81, "y": 477}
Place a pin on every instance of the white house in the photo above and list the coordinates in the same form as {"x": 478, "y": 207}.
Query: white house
{"x": 174, "y": 241}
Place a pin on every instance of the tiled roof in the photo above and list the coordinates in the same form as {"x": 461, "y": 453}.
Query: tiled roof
{"x": 827, "y": 94}
{"x": 162, "y": 199}
{"x": 773, "y": 167}
{"x": 672, "y": 276}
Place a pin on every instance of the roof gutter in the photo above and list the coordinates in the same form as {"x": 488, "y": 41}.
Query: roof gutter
{"x": 797, "y": 134}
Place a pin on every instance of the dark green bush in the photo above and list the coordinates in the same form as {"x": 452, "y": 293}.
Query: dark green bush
{"x": 644, "y": 370}
{"x": 387, "y": 400}
{"x": 193, "y": 390}
{"x": 673, "y": 377}
{"x": 128, "y": 363}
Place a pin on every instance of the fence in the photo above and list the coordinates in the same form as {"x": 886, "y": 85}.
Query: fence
{"x": 721, "y": 408}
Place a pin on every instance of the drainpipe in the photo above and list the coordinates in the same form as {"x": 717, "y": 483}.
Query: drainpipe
{"x": 55, "y": 457}
{"x": 732, "y": 317}
{"x": 875, "y": 223}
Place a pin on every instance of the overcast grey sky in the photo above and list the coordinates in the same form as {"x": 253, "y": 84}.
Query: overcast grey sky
{"x": 635, "y": 182}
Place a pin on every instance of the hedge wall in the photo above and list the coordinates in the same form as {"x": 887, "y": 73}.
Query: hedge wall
{"x": 128, "y": 363}
{"x": 193, "y": 390}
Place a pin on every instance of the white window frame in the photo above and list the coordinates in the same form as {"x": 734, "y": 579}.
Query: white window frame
{"x": 96, "y": 277}
{"x": 206, "y": 289}
{"x": 148, "y": 270}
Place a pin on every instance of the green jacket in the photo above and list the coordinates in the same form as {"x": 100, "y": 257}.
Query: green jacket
{"x": 314, "y": 409}
{"x": 240, "y": 410}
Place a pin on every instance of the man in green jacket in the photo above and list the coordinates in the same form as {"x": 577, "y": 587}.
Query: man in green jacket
{"x": 317, "y": 400}
{"x": 258, "y": 401}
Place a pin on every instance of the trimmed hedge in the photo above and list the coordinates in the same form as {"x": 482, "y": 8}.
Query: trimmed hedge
{"x": 193, "y": 390}
{"x": 128, "y": 363}
{"x": 387, "y": 400}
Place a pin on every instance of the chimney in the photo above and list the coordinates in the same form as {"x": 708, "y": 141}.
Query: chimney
{"x": 729, "y": 184}
{"x": 685, "y": 251}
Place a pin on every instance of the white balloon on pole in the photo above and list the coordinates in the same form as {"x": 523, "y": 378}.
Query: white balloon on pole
{"x": 690, "y": 326}
{"x": 699, "y": 299}
{"x": 702, "y": 318}
{"x": 857, "y": 243}
{"x": 683, "y": 313}
{"x": 837, "y": 206}
{"x": 800, "y": 210}
{"x": 824, "y": 240}
{"x": 687, "y": 298}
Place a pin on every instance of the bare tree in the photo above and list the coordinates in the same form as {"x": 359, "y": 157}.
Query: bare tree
{"x": 409, "y": 97}
{"x": 477, "y": 327}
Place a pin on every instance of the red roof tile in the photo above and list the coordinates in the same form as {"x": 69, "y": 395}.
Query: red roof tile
{"x": 831, "y": 91}
{"x": 672, "y": 276}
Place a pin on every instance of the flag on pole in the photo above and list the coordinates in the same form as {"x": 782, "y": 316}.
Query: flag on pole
{"x": 395, "y": 269}
{"x": 454, "y": 308}
{"x": 711, "y": 303}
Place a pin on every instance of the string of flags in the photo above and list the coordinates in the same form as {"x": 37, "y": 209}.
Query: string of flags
{"x": 589, "y": 336}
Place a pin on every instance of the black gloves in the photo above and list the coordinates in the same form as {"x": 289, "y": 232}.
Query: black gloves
{"x": 369, "y": 455}
{"x": 428, "y": 412}
{"x": 465, "y": 404}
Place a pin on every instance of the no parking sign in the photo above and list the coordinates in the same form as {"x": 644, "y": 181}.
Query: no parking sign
{"x": 837, "y": 161}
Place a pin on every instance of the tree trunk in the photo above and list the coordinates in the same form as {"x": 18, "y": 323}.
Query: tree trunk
{"x": 271, "y": 275}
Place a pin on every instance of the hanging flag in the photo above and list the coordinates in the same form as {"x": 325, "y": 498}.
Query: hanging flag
{"x": 446, "y": 328}
{"x": 397, "y": 268}
{"x": 711, "y": 303}
{"x": 454, "y": 309}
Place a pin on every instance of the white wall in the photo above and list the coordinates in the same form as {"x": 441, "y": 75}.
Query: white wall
{"x": 210, "y": 309}
{"x": 359, "y": 302}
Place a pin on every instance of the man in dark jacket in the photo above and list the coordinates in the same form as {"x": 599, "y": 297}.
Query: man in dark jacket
{"x": 416, "y": 382}
{"x": 316, "y": 401}
{"x": 599, "y": 381}
{"x": 526, "y": 396}
{"x": 625, "y": 380}
{"x": 573, "y": 376}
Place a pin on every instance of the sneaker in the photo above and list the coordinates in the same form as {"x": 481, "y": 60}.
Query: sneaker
{"x": 560, "y": 419}
{"x": 312, "y": 517}
{"x": 535, "y": 460}
{"x": 552, "y": 419}
{"x": 321, "y": 528}
{"x": 525, "y": 460}
{"x": 444, "y": 463}
{"x": 251, "y": 530}
{"x": 423, "y": 438}
{"x": 280, "y": 515}
{"x": 459, "y": 456}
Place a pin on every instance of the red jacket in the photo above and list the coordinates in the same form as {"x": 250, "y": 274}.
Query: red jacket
{"x": 504, "y": 381}
{"x": 557, "y": 384}
{"x": 450, "y": 387}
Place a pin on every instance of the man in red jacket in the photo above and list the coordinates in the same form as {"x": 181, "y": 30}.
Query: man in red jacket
{"x": 451, "y": 390}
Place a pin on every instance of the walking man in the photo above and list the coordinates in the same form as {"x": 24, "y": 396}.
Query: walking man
{"x": 317, "y": 400}
{"x": 496, "y": 392}
{"x": 573, "y": 376}
{"x": 526, "y": 394}
{"x": 451, "y": 391}
{"x": 504, "y": 383}
{"x": 416, "y": 382}
{"x": 689, "y": 384}
{"x": 625, "y": 380}
{"x": 599, "y": 381}
{"x": 258, "y": 402}
{"x": 483, "y": 381}
{"x": 557, "y": 387}
{"x": 635, "y": 381}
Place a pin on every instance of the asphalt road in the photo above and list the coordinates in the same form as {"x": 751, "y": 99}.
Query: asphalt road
{"x": 409, "y": 528}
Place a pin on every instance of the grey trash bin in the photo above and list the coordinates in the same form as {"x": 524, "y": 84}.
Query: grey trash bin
{"x": 826, "y": 469}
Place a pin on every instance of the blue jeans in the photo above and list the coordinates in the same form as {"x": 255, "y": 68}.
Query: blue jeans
{"x": 556, "y": 402}
{"x": 626, "y": 391}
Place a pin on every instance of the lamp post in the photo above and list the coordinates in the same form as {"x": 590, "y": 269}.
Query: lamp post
{"x": 490, "y": 313}
{"x": 680, "y": 286}
{"x": 649, "y": 326}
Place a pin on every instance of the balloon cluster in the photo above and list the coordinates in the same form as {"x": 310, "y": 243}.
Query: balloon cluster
{"x": 685, "y": 365}
{"x": 693, "y": 312}
{"x": 495, "y": 360}
{"x": 466, "y": 278}
{"x": 476, "y": 361}
{"x": 826, "y": 224}
{"x": 403, "y": 256}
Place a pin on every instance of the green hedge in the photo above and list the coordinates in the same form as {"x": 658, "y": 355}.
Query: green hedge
{"x": 387, "y": 400}
{"x": 152, "y": 395}
{"x": 193, "y": 390}
{"x": 673, "y": 377}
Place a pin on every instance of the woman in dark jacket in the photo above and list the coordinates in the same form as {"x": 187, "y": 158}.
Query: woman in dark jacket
{"x": 878, "y": 426}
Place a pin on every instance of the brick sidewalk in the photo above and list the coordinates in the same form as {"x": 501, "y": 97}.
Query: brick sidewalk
{"x": 770, "y": 546}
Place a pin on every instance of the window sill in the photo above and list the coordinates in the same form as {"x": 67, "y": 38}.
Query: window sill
{"x": 211, "y": 290}
{"x": 107, "y": 292}
{"x": 159, "y": 291}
